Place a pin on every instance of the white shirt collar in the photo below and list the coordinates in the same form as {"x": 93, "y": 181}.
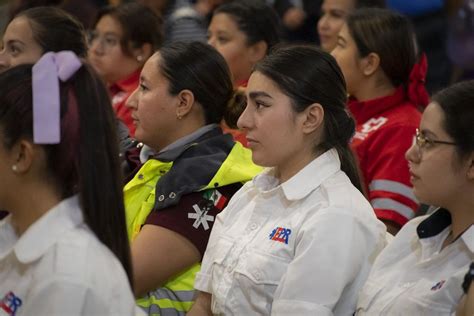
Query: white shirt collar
{"x": 43, "y": 233}
{"x": 434, "y": 229}
{"x": 305, "y": 181}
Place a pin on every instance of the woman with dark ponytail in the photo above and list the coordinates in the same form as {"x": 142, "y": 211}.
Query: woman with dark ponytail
{"x": 300, "y": 238}
{"x": 376, "y": 50}
{"x": 64, "y": 248}
{"x": 188, "y": 171}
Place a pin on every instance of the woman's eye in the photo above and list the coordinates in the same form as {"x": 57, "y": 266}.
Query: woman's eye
{"x": 143, "y": 87}
{"x": 221, "y": 39}
{"x": 13, "y": 49}
{"x": 111, "y": 41}
{"x": 260, "y": 105}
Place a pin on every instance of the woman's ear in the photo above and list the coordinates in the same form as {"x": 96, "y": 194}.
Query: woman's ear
{"x": 258, "y": 51}
{"x": 185, "y": 103}
{"x": 370, "y": 64}
{"x": 22, "y": 156}
{"x": 313, "y": 118}
{"x": 143, "y": 52}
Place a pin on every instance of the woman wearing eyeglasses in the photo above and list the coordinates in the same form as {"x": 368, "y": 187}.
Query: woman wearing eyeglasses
{"x": 124, "y": 37}
{"x": 422, "y": 270}
{"x": 377, "y": 55}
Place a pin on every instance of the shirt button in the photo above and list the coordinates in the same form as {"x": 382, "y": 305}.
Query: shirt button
{"x": 229, "y": 269}
{"x": 140, "y": 176}
{"x": 257, "y": 275}
{"x": 253, "y": 226}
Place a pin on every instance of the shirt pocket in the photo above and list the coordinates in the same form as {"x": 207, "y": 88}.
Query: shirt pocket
{"x": 220, "y": 260}
{"x": 258, "y": 274}
{"x": 433, "y": 298}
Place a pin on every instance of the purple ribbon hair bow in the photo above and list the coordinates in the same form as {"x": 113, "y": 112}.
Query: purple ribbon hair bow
{"x": 46, "y": 74}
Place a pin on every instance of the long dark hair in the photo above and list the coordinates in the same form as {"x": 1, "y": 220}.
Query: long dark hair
{"x": 86, "y": 160}
{"x": 308, "y": 75}
{"x": 56, "y": 30}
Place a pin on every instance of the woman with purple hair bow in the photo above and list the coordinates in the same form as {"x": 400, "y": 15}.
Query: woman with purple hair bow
{"x": 63, "y": 247}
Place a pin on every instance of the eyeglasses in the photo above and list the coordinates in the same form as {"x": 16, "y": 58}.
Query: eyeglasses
{"x": 423, "y": 142}
{"x": 106, "y": 42}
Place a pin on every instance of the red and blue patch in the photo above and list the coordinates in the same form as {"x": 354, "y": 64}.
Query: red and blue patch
{"x": 281, "y": 234}
{"x": 10, "y": 304}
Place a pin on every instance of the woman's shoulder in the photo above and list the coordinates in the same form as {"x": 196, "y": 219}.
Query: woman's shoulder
{"x": 81, "y": 259}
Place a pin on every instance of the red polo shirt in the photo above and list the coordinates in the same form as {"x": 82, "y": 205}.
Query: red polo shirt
{"x": 384, "y": 132}
{"x": 119, "y": 92}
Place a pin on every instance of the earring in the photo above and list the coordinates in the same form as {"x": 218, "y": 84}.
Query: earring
{"x": 178, "y": 116}
{"x": 14, "y": 168}
{"x": 140, "y": 58}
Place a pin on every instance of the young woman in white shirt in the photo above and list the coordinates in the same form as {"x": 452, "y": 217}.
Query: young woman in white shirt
{"x": 64, "y": 247}
{"x": 421, "y": 271}
{"x": 300, "y": 238}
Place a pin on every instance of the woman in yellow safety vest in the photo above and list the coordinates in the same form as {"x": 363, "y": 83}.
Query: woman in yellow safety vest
{"x": 188, "y": 170}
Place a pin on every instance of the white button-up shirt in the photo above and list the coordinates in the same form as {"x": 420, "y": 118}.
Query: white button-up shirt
{"x": 303, "y": 247}
{"x": 59, "y": 267}
{"x": 413, "y": 276}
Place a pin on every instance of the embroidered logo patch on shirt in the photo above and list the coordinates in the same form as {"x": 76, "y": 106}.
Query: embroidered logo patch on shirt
{"x": 370, "y": 126}
{"x": 280, "y": 234}
{"x": 438, "y": 285}
{"x": 10, "y": 304}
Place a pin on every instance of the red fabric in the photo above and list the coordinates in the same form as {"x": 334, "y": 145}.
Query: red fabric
{"x": 238, "y": 135}
{"x": 176, "y": 218}
{"x": 384, "y": 132}
{"x": 417, "y": 93}
{"x": 120, "y": 91}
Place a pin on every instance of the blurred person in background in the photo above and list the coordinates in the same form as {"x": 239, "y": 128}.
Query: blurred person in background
{"x": 243, "y": 32}
{"x": 333, "y": 17}
{"x": 122, "y": 39}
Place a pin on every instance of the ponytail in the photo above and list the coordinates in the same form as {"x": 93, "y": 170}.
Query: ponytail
{"x": 339, "y": 128}
{"x": 85, "y": 161}
{"x": 99, "y": 182}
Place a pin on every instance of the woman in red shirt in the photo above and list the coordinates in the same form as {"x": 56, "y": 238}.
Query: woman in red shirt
{"x": 124, "y": 37}
{"x": 376, "y": 50}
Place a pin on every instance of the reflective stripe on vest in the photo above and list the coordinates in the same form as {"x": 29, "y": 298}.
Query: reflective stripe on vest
{"x": 175, "y": 298}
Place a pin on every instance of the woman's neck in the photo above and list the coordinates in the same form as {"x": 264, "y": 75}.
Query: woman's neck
{"x": 374, "y": 89}
{"x": 462, "y": 219}
{"x": 295, "y": 164}
{"x": 33, "y": 203}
